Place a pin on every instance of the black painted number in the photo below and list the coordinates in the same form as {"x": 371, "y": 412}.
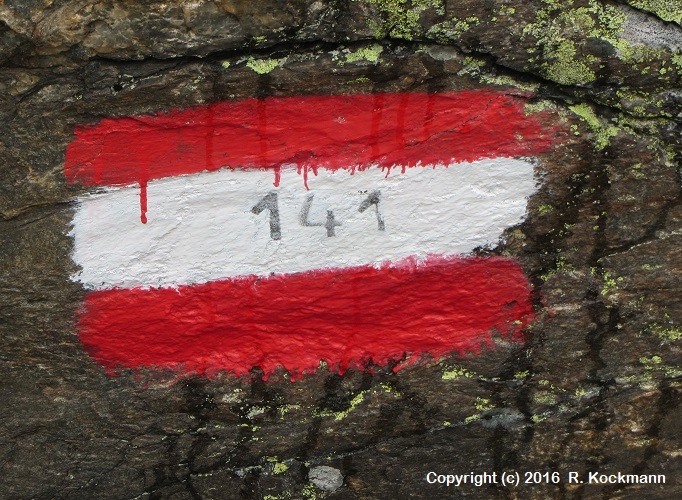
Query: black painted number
{"x": 269, "y": 203}
{"x": 329, "y": 224}
{"x": 373, "y": 199}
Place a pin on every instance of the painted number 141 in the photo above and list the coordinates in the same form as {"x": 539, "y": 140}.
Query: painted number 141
{"x": 269, "y": 202}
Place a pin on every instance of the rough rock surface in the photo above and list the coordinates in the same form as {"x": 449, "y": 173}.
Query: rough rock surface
{"x": 595, "y": 388}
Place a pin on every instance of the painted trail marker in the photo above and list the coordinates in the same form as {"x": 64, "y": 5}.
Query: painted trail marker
{"x": 286, "y": 231}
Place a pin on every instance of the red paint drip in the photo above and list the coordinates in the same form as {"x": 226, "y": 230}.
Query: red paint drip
{"x": 332, "y": 132}
{"x": 349, "y": 317}
{"x": 143, "y": 202}
{"x": 278, "y": 176}
{"x": 305, "y": 177}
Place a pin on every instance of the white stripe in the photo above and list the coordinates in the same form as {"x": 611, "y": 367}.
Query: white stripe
{"x": 202, "y": 228}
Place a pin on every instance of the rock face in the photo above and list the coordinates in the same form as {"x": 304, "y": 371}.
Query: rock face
{"x": 593, "y": 388}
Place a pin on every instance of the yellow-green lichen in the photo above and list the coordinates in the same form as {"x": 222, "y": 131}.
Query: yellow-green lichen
{"x": 531, "y": 108}
{"x": 401, "y": 18}
{"x": 677, "y": 61}
{"x": 549, "y": 394}
{"x": 361, "y": 79}
{"x": 389, "y": 389}
{"x": 359, "y": 399}
{"x": 667, "y": 334}
{"x": 655, "y": 363}
{"x": 309, "y": 492}
{"x": 279, "y": 468}
{"x": 548, "y": 275}
{"x": 370, "y": 54}
{"x": 637, "y": 55}
{"x": 483, "y": 404}
{"x": 452, "y": 29}
{"x": 263, "y": 66}
{"x": 284, "y": 409}
{"x": 286, "y": 495}
{"x": 636, "y": 171}
{"x": 225, "y": 64}
{"x": 665, "y": 9}
{"x": 562, "y": 32}
{"x": 473, "y": 62}
{"x": 562, "y": 266}
{"x": 602, "y": 132}
{"x": 456, "y": 373}
{"x": 611, "y": 283}
{"x": 567, "y": 68}
{"x": 651, "y": 128}
{"x": 472, "y": 418}
{"x": 508, "y": 81}
{"x": 545, "y": 398}
{"x": 651, "y": 366}
{"x": 354, "y": 403}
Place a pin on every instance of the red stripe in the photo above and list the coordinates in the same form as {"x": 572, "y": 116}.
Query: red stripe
{"x": 347, "y": 317}
{"x": 342, "y": 131}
